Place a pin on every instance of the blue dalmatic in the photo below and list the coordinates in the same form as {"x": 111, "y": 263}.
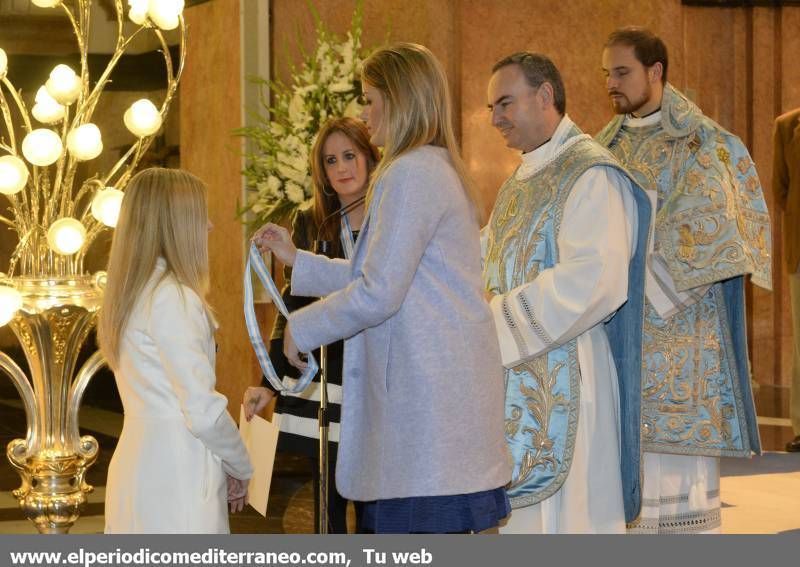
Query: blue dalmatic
{"x": 711, "y": 228}
{"x": 543, "y": 392}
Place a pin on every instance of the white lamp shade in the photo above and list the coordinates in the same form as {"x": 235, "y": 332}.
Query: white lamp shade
{"x": 165, "y": 13}
{"x": 66, "y": 236}
{"x": 85, "y": 142}
{"x": 106, "y": 205}
{"x": 3, "y": 63}
{"x": 46, "y": 3}
{"x": 138, "y": 11}
{"x": 42, "y": 147}
{"x": 100, "y": 279}
{"x": 142, "y": 118}
{"x": 13, "y": 175}
{"x": 64, "y": 85}
{"x": 10, "y": 303}
{"x": 46, "y": 109}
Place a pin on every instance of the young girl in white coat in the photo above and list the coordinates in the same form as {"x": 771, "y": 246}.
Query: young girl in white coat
{"x": 180, "y": 458}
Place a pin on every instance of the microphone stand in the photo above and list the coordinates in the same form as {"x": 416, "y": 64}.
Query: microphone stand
{"x": 324, "y": 247}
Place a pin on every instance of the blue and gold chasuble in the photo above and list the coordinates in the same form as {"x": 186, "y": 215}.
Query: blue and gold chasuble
{"x": 543, "y": 392}
{"x": 711, "y": 228}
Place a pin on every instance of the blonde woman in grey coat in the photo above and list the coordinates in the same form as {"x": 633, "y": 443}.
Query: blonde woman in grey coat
{"x": 422, "y": 417}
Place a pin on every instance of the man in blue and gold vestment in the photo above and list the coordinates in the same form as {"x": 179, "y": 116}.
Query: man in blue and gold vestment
{"x": 564, "y": 264}
{"x": 710, "y": 229}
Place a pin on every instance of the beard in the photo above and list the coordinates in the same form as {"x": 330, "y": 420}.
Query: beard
{"x": 624, "y": 105}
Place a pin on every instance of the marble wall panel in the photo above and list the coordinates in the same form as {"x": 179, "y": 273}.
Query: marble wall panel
{"x": 572, "y": 35}
{"x": 210, "y": 109}
{"x": 739, "y": 64}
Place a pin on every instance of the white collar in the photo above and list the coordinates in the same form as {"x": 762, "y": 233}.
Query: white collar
{"x": 535, "y": 160}
{"x": 632, "y": 122}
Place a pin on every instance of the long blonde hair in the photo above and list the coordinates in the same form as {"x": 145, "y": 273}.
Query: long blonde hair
{"x": 417, "y": 108}
{"x": 164, "y": 214}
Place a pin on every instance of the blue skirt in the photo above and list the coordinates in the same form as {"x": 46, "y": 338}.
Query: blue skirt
{"x": 460, "y": 513}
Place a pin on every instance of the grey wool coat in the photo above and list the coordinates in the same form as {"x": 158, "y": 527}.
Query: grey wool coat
{"x": 422, "y": 413}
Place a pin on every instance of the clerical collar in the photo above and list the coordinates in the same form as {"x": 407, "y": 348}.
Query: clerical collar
{"x": 649, "y": 120}
{"x": 540, "y": 145}
{"x": 649, "y": 113}
{"x": 533, "y": 159}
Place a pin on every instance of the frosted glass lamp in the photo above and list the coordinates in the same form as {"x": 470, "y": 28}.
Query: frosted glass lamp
{"x": 142, "y": 118}
{"x": 13, "y": 175}
{"x": 47, "y": 109}
{"x": 85, "y": 142}
{"x": 64, "y": 85}
{"x": 165, "y": 13}
{"x": 10, "y": 303}
{"x": 106, "y": 205}
{"x": 66, "y": 236}
{"x": 42, "y": 147}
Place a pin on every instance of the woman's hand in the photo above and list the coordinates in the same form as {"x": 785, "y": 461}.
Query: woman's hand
{"x": 256, "y": 399}
{"x": 237, "y": 493}
{"x": 290, "y": 349}
{"x": 278, "y": 240}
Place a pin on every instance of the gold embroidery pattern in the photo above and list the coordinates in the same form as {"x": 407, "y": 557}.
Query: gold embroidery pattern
{"x": 711, "y": 222}
{"x": 688, "y": 405}
{"x": 512, "y": 422}
{"x": 511, "y": 236}
{"x": 522, "y": 234}
{"x": 514, "y": 244}
{"x": 540, "y": 402}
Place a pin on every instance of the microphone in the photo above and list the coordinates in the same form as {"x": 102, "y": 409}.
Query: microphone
{"x": 324, "y": 246}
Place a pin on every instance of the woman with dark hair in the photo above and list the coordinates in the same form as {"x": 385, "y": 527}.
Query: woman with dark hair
{"x": 341, "y": 162}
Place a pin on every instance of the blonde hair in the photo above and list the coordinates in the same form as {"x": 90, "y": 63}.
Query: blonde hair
{"x": 417, "y": 108}
{"x": 164, "y": 214}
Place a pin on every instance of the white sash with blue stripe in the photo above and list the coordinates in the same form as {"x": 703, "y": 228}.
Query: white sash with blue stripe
{"x": 346, "y": 236}
{"x": 256, "y": 262}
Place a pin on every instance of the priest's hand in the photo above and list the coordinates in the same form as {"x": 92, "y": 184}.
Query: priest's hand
{"x": 237, "y": 493}
{"x": 489, "y": 296}
{"x": 290, "y": 349}
{"x": 277, "y": 239}
{"x": 256, "y": 399}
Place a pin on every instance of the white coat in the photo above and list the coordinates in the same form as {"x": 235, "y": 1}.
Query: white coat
{"x": 178, "y": 440}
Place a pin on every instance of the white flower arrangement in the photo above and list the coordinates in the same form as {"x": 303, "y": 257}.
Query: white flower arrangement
{"x": 327, "y": 84}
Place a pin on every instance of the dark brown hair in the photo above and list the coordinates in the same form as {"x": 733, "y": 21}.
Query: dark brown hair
{"x": 647, "y": 46}
{"x": 325, "y": 198}
{"x": 538, "y": 69}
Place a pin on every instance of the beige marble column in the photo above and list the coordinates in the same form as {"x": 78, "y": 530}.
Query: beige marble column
{"x": 210, "y": 109}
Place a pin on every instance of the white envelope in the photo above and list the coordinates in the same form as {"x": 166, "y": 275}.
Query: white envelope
{"x": 261, "y": 440}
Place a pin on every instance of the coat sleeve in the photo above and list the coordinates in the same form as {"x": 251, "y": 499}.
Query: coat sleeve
{"x": 588, "y": 283}
{"x": 411, "y": 203}
{"x": 182, "y": 333}
{"x": 315, "y": 275}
